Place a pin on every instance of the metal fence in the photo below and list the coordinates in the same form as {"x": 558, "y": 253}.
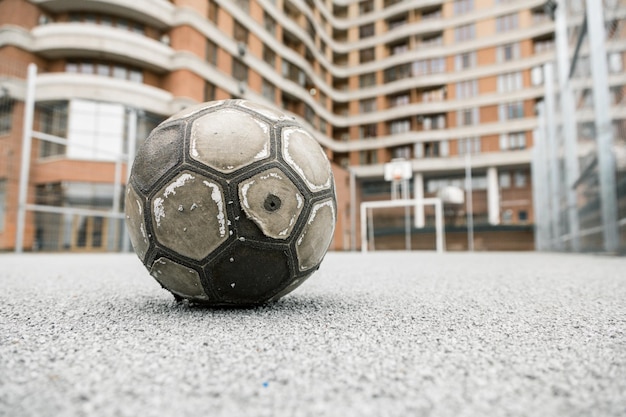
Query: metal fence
{"x": 63, "y": 167}
{"x": 579, "y": 161}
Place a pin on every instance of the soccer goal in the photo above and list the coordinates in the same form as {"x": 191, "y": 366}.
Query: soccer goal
{"x": 367, "y": 215}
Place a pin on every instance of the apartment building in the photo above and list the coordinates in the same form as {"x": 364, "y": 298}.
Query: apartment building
{"x": 442, "y": 84}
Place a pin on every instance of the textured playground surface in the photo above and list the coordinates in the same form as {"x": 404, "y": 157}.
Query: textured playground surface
{"x": 384, "y": 334}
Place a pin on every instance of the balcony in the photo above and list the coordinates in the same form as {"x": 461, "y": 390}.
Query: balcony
{"x": 156, "y": 13}
{"x": 63, "y": 40}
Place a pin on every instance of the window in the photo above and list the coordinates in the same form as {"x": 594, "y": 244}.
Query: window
{"x": 431, "y": 14}
{"x": 212, "y": 11}
{"x": 399, "y": 100}
{"x": 269, "y": 56}
{"x": 53, "y": 121}
{"x": 508, "y": 52}
{"x": 120, "y": 72}
{"x": 434, "y": 122}
{"x": 520, "y": 178}
{"x": 398, "y": 48}
{"x": 367, "y": 105}
{"x": 367, "y": 80}
{"x": 209, "y": 91}
{"x": 434, "y": 40}
{"x": 366, "y": 31}
{"x": 506, "y": 23}
{"x": 510, "y": 82}
{"x": 107, "y": 20}
{"x": 465, "y": 61}
{"x": 437, "y": 94}
{"x": 368, "y": 157}
{"x": 396, "y": 22}
{"x": 367, "y": 55}
{"x": 368, "y": 131}
{"x": 401, "y": 152}
{"x": 543, "y": 45}
{"x": 6, "y": 114}
{"x": 269, "y": 23}
{"x": 240, "y": 70}
{"x": 399, "y": 126}
{"x": 463, "y": 6}
{"x": 505, "y": 180}
{"x": 469, "y": 145}
{"x": 431, "y": 149}
{"x": 468, "y": 117}
{"x": 513, "y": 141}
{"x": 240, "y": 33}
{"x": 616, "y": 63}
{"x": 105, "y": 69}
{"x": 398, "y": 72}
{"x": 511, "y": 111}
{"x": 466, "y": 89}
{"x": 268, "y": 90}
{"x": 244, "y": 4}
{"x": 211, "y": 52}
{"x": 366, "y": 6}
{"x": 522, "y": 216}
{"x": 536, "y": 75}
{"x": 429, "y": 66}
{"x": 465, "y": 32}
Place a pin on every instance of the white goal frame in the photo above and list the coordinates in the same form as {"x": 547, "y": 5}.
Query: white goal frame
{"x": 367, "y": 206}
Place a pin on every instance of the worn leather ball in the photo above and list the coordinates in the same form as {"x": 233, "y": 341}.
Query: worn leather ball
{"x": 230, "y": 203}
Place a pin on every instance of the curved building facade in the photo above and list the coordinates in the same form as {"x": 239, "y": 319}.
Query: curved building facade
{"x": 429, "y": 82}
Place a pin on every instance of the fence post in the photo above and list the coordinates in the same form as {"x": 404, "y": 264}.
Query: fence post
{"x": 568, "y": 107}
{"x": 604, "y": 132}
{"x": 27, "y": 140}
{"x": 552, "y": 148}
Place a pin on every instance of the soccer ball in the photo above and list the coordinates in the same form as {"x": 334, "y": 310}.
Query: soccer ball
{"x": 230, "y": 203}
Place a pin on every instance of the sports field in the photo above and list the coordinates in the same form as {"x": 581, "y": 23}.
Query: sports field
{"x": 383, "y": 334}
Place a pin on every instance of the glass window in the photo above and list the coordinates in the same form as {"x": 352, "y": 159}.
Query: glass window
{"x": 367, "y": 105}
{"x": 463, "y": 6}
{"x": 465, "y": 32}
{"x": 399, "y": 126}
{"x": 510, "y": 82}
{"x": 268, "y": 90}
{"x": 466, "y": 89}
{"x": 366, "y": 6}
{"x": 522, "y": 215}
{"x": 135, "y": 75}
{"x": 212, "y": 11}
{"x": 239, "y": 70}
{"x": 120, "y": 72}
{"x": 6, "y": 115}
{"x": 520, "y": 178}
{"x": 209, "y": 91}
{"x": 505, "y": 180}
{"x": 368, "y": 131}
{"x": 269, "y": 23}
{"x": 366, "y": 31}
{"x": 506, "y": 23}
{"x": 240, "y": 33}
{"x": 211, "y": 52}
{"x": 103, "y": 69}
{"x": 367, "y": 80}
{"x": 367, "y": 55}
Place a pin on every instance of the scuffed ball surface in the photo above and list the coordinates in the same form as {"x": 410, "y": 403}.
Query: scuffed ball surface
{"x": 230, "y": 203}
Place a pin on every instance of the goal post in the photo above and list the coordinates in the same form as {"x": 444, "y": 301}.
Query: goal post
{"x": 368, "y": 206}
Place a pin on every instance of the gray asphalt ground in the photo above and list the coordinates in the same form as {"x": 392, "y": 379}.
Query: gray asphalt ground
{"x": 386, "y": 334}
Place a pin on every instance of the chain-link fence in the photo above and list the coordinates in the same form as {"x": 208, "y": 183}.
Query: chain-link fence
{"x": 579, "y": 162}
{"x": 63, "y": 167}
